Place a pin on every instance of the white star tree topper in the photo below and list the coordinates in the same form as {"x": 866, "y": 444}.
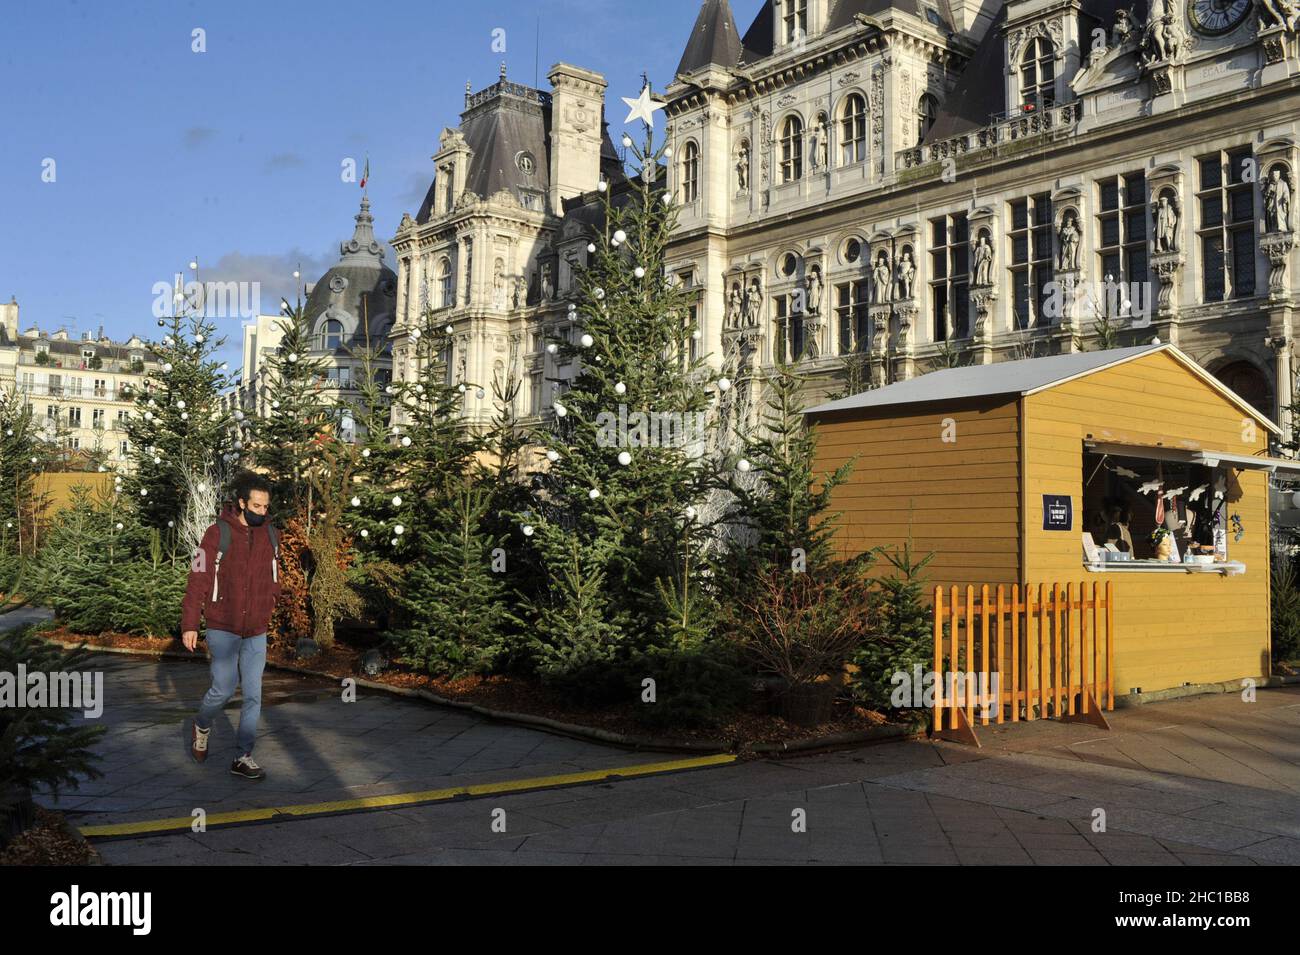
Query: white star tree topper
{"x": 642, "y": 107}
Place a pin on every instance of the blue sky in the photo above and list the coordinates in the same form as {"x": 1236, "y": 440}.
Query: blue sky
{"x": 233, "y": 155}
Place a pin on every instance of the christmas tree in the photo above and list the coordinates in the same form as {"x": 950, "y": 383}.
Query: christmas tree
{"x": 630, "y": 445}
{"x": 286, "y": 446}
{"x": 181, "y": 437}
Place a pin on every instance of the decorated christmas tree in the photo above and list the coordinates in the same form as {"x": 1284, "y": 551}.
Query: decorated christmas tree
{"x": 630, "y": 445}
{"x": 181, "y": 439}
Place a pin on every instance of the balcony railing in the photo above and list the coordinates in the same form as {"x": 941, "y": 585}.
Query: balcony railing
{"x": 1058, "y": 120}
{"x": 69, "y": 394}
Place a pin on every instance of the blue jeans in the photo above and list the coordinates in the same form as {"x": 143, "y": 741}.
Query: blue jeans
{"x": 236, "y": 661}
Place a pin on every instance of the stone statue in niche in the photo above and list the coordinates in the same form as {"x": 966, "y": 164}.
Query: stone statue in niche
{"x": 753, "y": 303}
{"x": 983, "y": 261}
{"x": 1167, "y": 215}
{"x": 1163, "y": 36}
{"x": 1123, "y": 29}
{"x": 518, "y": 298}
{"x": 1068, "y": 238}
{"x": 818, "y": 149}
{"x": 735, "y": 305}
{"x": 499, "y": 284}
{"x": 881, "y": 273}
{"x": 742, "y": 167}
{"x": 906, "y": 274}
{"x": 1277, "y": 200}
{"x": 813, "y": 291}
{"x": 548, "y": 288}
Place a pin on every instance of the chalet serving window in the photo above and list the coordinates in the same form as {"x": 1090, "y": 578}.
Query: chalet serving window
{"x": 1141, "y": 513}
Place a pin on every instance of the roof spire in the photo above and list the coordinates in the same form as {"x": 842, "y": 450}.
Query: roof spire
{"x": 503, "y": 69}
{"x": 362, "y": 249}
{"x": 714, "y": 40}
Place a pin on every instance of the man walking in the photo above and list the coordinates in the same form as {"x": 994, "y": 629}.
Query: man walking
{"x": 234, "y": 583}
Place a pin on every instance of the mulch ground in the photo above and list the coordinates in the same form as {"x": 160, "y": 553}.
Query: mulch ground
{"x": 512, "y": 694}
{"x": 48, "y": 843}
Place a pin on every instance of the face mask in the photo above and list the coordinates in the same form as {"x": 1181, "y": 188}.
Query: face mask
{"x": 254, "y": 520}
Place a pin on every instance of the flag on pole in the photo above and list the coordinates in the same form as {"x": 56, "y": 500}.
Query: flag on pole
{"x": 365, "y": 174}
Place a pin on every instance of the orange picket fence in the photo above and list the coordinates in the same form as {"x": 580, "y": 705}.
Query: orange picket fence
{"x": 1021, "y": 652}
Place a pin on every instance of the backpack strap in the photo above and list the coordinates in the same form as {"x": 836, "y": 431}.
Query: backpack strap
{"x": 223, "y": 545}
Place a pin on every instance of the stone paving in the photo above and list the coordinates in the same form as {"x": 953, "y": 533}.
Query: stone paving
{"x": 1204, "y": 781}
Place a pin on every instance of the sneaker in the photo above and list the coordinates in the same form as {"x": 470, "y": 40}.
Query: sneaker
{"x": 199, "y": 742}
{"x": 244, "y": 766}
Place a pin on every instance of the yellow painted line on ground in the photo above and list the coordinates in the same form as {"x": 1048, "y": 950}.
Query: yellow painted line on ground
{"x": 264, "y": 814}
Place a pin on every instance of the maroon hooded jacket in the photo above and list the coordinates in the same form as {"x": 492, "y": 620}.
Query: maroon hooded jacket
{"x": 241, "y": 595}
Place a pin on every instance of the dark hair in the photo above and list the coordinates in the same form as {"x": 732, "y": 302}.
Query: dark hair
{"x": 246, "y": 482}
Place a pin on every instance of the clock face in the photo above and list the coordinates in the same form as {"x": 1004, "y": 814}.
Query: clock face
{"x": 1217, "y": 17}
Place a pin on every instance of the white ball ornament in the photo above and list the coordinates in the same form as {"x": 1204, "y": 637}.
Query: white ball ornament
{"x": 450, "y": 330}
{"x": 144, "y": 492}
{"x": 620, "y": 236}
{"x": 406, "y": 442}
{"x": 591, "y": 247}
{"x": 275, "y": 405}
{"x": 552, "y": 456}
{"x": 624, "y": 458}
{"x": 594, "y": 493}
{"x": 415, "y": 334}
{"x": 185, "y": 416}
{"x": 156, "y": 460}
{"x": 365, "y": 533}
{"x": 599, "y": 293}
{"x": 393, "y": 542}
{"x": 293, "y": 357}
{"x": 167, "y": 368}
{"x": 199, "y": 339}
{"x": 602, "y": 186}
{"x": 551, "y": 349}
{"x": 399, "y": 530}
{"x": 480, "y": 393}
{"x": 620, "y": 389}
{"x": 627, "y": 141}
{"x": 180, "y": 404}
{"x": 171, "y": 523}
{"x": 356, "y": 502}
{"x": 397, "y": 500}
{"x": 724, "y": 384}
{"x": 119, "y": 525}
{"x": 148, "y": 416}
{"x": 743, "y": 465}
{"x": 668, "y": 152}
{"x": 587, "y": 341}
{"x": 560, "y": 410}
{"x": 365, "y": 452}
{"x": 690, "y": 512}
{"x": 461, "y": 389}
{"x": 639, "y": 272}
{"x": 528, "y": 530}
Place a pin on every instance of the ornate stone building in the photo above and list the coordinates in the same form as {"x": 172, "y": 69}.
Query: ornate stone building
{"x": 494, "y": 246}
{"x": 910, "y": 185}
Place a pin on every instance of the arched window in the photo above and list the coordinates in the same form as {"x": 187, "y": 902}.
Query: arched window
{"x": 690, "y": 172}
{"x": 792, "y": 149}
{"x": 927, "y": 109}
{"x": 1038, "y": 74}
{"x": 331, "y": 335}
{"x": 446, "y": 283}
{"x": 1250, "y": 383}
{"x": 853, "y": 130}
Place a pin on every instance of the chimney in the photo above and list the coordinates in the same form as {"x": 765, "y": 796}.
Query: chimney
{"x": 577, "y": 113}
{"x": 9, "y": 318}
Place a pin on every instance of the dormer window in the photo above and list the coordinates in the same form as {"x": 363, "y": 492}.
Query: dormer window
{"x": 1038, "y": 75}
{"x": 794, "y": 21}
{"x": 331, "y": 335}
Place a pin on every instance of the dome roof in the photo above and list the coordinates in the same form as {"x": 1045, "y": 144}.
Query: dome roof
{"x": 359, "y": 291}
